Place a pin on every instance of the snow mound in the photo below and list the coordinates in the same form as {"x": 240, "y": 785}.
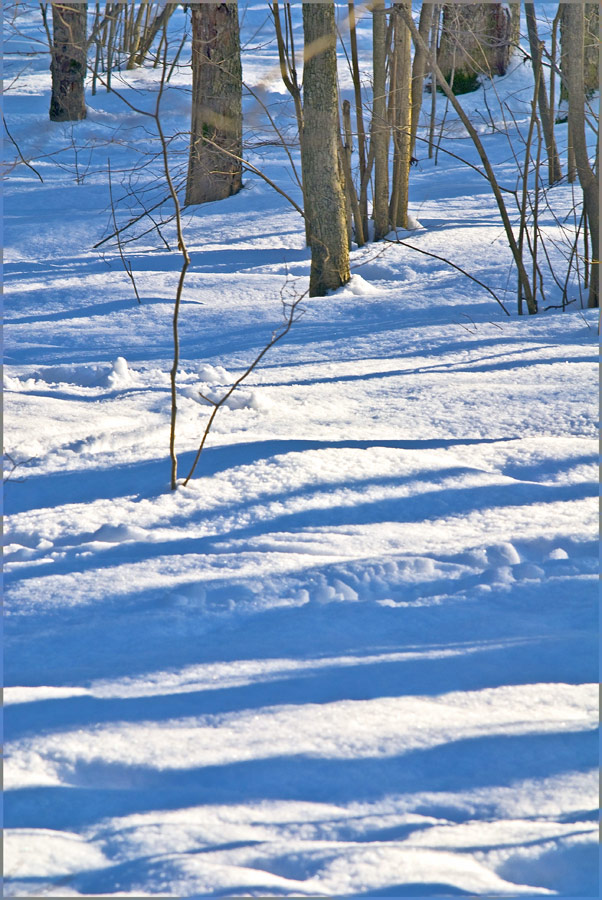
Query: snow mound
{"x": 207, "y": 395}
{"x": 504, "y": 554}
{"x": 413, "y": 225}
{"x": 117, "y": 375}
{"x": 359, "y": 286}
{"x": 214, "y": 375}
{"x": 355, "y": 287}
{"x": 116, "y": 534}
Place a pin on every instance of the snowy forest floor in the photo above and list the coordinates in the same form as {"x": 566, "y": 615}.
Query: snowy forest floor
{"x": 357, "y": 654}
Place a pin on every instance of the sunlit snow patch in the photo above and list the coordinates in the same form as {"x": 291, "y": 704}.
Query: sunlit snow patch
{"x": 44, "y": 853}
{"x": 357, "y": 286}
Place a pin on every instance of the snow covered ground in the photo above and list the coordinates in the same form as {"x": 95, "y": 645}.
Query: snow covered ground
{"x": 356, "y": 655}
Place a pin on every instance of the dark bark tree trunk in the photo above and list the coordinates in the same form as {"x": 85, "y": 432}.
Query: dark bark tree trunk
{"x": 573, "y": 37}
{"x": 322, "y": 189}
{"x": 68, "y": 62}
{"x": 476, "y": 38}
{"x": 214, "y": 167}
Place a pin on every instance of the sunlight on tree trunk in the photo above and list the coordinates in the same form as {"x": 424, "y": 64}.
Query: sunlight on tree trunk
{"x": 216, "y": 104}
{"x": 401, "y": 119}
{"x": 574, "y": 40}
{"x": 322, "y": 188}
{"x": 380, "y": 124}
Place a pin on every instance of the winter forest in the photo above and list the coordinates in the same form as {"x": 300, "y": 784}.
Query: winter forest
{"x": 300, "y": 459}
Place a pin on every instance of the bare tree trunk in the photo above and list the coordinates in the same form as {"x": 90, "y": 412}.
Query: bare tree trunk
{"x": 151, "y": 31}
{"x": 401, "y": 86}
{"x": 380, "y": 124}
{"x": 476, "y": 37}
{"x": 419, "y": 67}
{"x": 573, "y": 35}
{"x": 522, "y": 274}
{"x": 286, "y": 56}
{"x": 322, "y": 188}
{"x": 216, "y": 104}
{"x": 433, "y": 43}
{"x": 68, "y": 62}
{"x": 359, "y": 117}
{"x": 349, "y": 185}
{"x": 591, "y": 58}
{"x": 547, "y": 124}
{"x": 591, "y": 47}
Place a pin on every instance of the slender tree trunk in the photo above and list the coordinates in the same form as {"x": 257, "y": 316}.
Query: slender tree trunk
{"x": 401, "y": 87}
{"x": 286, "y": 56}
{"x": 419, "y": 68}
{"x": 349, "y": 185}
{"x": 322, "y": 188}
{"x": 433, "y": 43}
{"x": 380, "y": 124}
{"x": 547, "y": 124}
{"x": 151, "y": 30}
{"x": 573, "y": 35}
{"x": 216, "y": 104}
{"x": 359, "y": 118}
{"x": 522, "y": 274}
{"x": 68, "y": 62}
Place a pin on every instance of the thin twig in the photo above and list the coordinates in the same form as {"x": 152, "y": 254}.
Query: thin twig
{"x": 126, "y": 264}
{"x": 13, "y": 141}
{"x": 449, "y": 263}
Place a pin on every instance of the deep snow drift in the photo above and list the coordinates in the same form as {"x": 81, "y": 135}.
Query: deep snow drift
{"x": 356, "y": 655}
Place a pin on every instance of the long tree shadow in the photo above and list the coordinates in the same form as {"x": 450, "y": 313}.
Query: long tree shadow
{"x": 416, "y": 508}
{"x": 142, "y": 479}
{"x": 478, "y": 667}
{"x": 101, "y": 790}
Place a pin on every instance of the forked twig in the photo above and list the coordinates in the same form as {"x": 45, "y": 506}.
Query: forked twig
{"x": 292, "y": 314}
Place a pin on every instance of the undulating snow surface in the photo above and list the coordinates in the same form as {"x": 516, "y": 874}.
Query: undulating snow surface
{"x": 356, "y": 655}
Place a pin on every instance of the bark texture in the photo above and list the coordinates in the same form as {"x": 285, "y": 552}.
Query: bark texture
{"x": 68, "y": 62}
{"x": 322, "y": 188}
{"x": 591, "y": 47}
{"x": 215, "y": 168}
{"x": 401, "y": 118}
{"x": 574, "y": 39}
{"x": 476, "y": 38}
{"x": 380, "y": 124}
